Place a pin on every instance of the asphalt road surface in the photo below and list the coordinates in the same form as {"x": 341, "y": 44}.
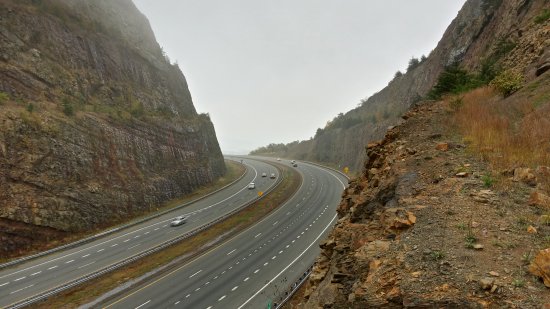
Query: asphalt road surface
{"x": 258, "y": 266}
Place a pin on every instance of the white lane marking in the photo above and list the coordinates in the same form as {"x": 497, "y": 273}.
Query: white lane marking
{"x": 146, "y": 233}
{"x": 193, "y": 275}
{"x": 187, "y": 296}
{"x": 145, "y": 303}
{"x": 36, "y": 273}
{"x": 157, "y": 229}
{"x": 207, "y": 283}
{"x": 114, "y": 245}
{"x": 221, "y": 298}
{"x": 209, "y": 307}
{"x": 132, "y": 247}
{"x": 197, "y": 289}
{"x": 21, "y": 289}
{"x": 137, "y": 236}
{"x": 288, "y": 213}
{"x": 265, "y": 264}
{"x": 165, "y": 225}
{"x": 100, "y": 250}
{"x": 230, "y": 267}
{"x": 86, "y": 265}
{"x": 68, "y": 262}
{"x": 288, "y": 266}
{"x": 86, "y": 255}
{"x": 223, "y": 272}
{"x": 280, "y": 251}
{"x": 246, "y": 279}
{"x": 257, "y": 235}
{"x": 19, "y": 279}
{"x": 275, "y": 223}
{"x": 126, "y": 240}
{"x": 233, "y": 289}
{"x": 52, "y": 267}
{"x": 215, "y": 278}
{"x": 177, "y": 302}
{"x": 4, "y": 284}
{"x": 274, "y": 257}
{"x": 256, "y": 271}
{"x": 232, "y": 251}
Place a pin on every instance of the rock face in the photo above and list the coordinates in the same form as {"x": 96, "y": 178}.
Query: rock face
{"x": 479, "y": 32}
{"x": 98, "y": 125}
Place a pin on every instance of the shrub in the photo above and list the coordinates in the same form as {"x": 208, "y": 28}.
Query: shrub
{"x": 543, "y": 16}
{"x": 413, "y": 64}
{"x": 507, "y": 82}
{"x": 453, "y": 80}
{"x": 30, "y": 108}
{"x": 488, "y": 181}
{"x": 68, "y": 108}
{"x": 397, "y": 74}
{"x": 4, "y": 97}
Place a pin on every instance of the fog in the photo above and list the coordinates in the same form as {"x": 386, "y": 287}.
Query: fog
{"x": 275, "y": 71}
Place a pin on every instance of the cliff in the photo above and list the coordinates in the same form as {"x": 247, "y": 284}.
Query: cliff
{"x": 451, "y": 206}
{"x": 96, "y": 124}
{"x": 485, "y": 33}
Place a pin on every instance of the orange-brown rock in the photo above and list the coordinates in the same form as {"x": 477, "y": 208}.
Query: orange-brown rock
{"x": 540, "y": 266}
{"x": 442, "y": 146}
{"x": 539, "y": 199}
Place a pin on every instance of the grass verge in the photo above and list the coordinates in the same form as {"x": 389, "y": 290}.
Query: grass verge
{"x": 190, "y": 248}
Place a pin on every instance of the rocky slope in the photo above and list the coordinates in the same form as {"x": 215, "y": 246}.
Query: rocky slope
{"x": 425, "y": 227}
{"x": 483, "y": 32}
{"x": 96, "y": 124}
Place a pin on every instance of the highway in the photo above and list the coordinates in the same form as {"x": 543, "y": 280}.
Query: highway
{"x": 39, "y": 275}
{"x": 256, "y": 267}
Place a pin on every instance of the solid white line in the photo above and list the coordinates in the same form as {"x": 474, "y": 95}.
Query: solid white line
{"x": 231, "y": 251}
{"x": 288, "y": 266}
{"x": 21, "y": 289}
{"x": 145, "y": 303}
{"x": 86, "y": 265}
{"x": 19, "y": 279}
{"x": 193, "y": 275}
{"x": 36, "y": 273}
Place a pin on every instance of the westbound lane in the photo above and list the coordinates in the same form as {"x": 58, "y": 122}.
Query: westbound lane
{"x": 39, "y": 275}
{"x": 258, "y": 265}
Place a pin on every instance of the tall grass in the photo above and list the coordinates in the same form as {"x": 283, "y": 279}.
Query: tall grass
{"x": 507, "y": 133}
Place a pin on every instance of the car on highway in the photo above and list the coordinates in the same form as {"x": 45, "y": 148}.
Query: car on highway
{"x": 179, "y": 220}
{"x": 264, "y": 174}
{"x": 278, "y": 159}
{"x": 294, "y": 164}
{"x": 251, "y": 185}
{"x": 272, "y": 176}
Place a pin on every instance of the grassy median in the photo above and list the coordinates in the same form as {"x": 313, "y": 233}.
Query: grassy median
{"x": 190, "y": 247}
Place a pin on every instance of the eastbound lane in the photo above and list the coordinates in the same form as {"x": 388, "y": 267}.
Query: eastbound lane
{"x": 36, "y": 276}
{"x": 258, "y": 265}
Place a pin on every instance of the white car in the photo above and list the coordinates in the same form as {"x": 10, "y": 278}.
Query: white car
{"x": 272, "y": 176}
{"x": 278, "y": 159}
{"x": 264, "y": 174}
{"x": 251, "y": 186}
{"x": 178, "y": 221}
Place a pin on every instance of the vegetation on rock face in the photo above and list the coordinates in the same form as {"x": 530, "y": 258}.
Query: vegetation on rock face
{"x": 543, "y": 16}
{"x": 508, "y": 82}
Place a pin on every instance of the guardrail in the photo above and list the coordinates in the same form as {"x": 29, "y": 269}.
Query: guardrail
{"x": 294, "y": 287}
{"x": 126, "y": 261}
{"x": 114, "y": 230}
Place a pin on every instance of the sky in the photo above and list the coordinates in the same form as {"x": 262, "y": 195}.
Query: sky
{"x": 272, "y": 71}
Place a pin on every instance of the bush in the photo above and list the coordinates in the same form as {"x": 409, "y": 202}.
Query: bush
{"x": 4, "y": 97}
{"x": 30, "y": 108}
{"x": 507, "y": 82}
{"x": 397, "y": 74}
{"x": 542, "y": 17}
{"x": 413, "y": 64}
{"x": 454, "y": 80}
{"x": 68, "y": 108}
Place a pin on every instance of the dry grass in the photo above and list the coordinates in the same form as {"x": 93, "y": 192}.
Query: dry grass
{"x": 507, "y": 132}
{"x": 192, "y": 246}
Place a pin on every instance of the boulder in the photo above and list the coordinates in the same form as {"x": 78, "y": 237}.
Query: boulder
{"x": 540, "y": 266}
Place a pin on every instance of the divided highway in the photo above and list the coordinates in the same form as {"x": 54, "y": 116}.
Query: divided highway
{"x": 42, "y": 274}
{"x": 256, "y": 267}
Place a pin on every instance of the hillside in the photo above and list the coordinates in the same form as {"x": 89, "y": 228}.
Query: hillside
{"x": 487, "y": 36}
{"x": 451, "y": 207}
{"x": 96, "y": 124}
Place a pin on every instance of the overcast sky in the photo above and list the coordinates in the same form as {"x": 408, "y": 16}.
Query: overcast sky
{"x": 276, "y": 70}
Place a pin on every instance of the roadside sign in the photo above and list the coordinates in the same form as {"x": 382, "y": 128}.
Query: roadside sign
{"x": 260, "y": 193}
{"x": 346, "y": 169}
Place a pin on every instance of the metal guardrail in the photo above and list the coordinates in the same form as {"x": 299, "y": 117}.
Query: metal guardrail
{"x": 114, "y": 230}
{"x": 126, "y": 261}
{"x": 294, "y": 287}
